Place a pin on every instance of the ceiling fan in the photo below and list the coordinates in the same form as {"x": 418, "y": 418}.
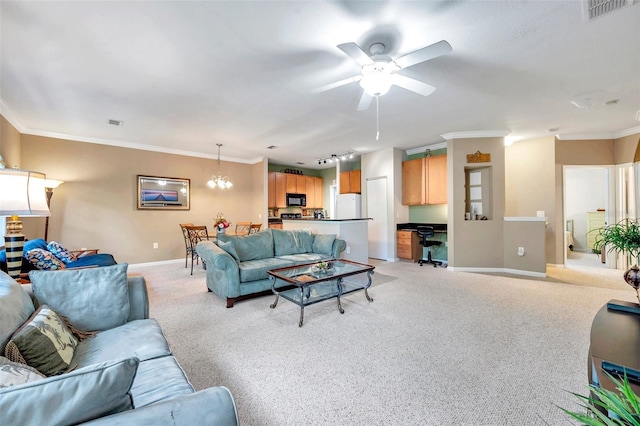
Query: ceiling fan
{"x": 380, "y": 72}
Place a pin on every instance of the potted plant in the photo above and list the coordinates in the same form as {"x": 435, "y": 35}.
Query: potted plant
{"x": 622, "y": 238}
{"x": 606, "y": 407}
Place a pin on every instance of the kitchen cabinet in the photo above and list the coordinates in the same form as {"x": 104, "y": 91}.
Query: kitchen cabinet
{"x": 408, "y": 245}
{"x": 424, "y": 181}
{"x": 315, "y": 192}
{"x": 350, "y": 182}
{"x": 296, "y": 184}
{"x": 279, "y": 184}
{"x": 271, "y": 189}
{"x": 277, "y": 189}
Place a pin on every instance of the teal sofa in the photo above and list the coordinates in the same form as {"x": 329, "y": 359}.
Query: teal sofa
{"x": 237, "y": 265}
{"x": 125, "y": 374}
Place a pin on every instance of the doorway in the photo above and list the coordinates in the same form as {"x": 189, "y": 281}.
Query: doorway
{"x": 588, "y": 205}
{"x": 377, "y": 211}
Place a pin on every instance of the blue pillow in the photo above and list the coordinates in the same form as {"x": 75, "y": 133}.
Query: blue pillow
{"x": 229, "y": 248}
{"x": 60, "y": 252}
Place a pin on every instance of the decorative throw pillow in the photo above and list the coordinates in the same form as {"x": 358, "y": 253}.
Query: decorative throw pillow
{"x": 14, "y": 373}
{"x": 93, "y": 299}
{"x": 323, "y": 243}
{"x": 43, "y": 342}
{"x": 44, "y": 260}
{"x": 229, "y": 248}
{"x": 79, "y": 396}
{"x": 60, "y": 252}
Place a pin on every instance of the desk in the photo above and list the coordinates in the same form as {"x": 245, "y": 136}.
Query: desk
{"x": 408, "y": 244}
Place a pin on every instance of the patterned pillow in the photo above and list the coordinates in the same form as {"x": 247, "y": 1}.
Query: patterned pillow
{"x": 13, "y": 373}
{"x": 44, "y": 260}
{"x": 43, "y": 342}
{"x": 60, "y": 252}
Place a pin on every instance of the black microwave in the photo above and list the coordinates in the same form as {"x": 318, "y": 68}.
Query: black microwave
{"x": 296, "y": 200}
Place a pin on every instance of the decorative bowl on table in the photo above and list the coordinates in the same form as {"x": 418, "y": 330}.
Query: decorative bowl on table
{"x": 322, "y": 267}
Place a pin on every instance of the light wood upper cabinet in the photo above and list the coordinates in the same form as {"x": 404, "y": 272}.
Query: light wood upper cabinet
{"x": 319, "y": 192}
{"x": 414, "y": 191}
{"x": 271, "y": 189}
{"x": 424, "y": 181}
{"x": 281, "y": 189}
{"x": 437, "y": 180}
{"x": 350, "y": 182}
{"x": 310, "y": 190}
{"x": 279, "y": 184}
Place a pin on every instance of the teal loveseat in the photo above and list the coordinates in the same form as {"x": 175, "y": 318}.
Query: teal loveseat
{"x": 125, "y": 374}
{"x": 237, "y": 265}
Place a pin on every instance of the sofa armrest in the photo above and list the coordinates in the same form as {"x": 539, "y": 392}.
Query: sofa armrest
{"x": 138, "y": 298}
{"x": 338, "y": 247}
{"x": 223, "y": 272}
{"x": 212, "y": 406}
{"x": 85, "y": 252}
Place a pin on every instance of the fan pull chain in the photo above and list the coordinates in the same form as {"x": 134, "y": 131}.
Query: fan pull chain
{"x": 377, "y": 117}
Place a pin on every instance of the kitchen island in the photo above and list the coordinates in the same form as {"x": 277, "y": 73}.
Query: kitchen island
{"x": 354, "y": 231}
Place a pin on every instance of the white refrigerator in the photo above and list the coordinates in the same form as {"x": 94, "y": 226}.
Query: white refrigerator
{"x": 348, "y": 206}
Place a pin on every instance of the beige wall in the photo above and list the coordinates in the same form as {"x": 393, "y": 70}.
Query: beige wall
{"x": 531, "y": 236}
{"x": 530, "y": 185}
{"x": 475, "y": 243}
{"x": 96, "y": 206}
{"x": 626, "y": 149}
{"x": 9, "y": 143}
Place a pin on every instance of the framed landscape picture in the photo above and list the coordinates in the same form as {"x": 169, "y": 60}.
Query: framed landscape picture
{"x": 162, "y": 193}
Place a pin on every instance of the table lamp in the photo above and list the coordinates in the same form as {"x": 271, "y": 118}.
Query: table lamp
{"x": 22, "y": 194}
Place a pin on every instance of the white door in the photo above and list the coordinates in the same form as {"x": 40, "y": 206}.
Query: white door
{"x": 377, "y": 211}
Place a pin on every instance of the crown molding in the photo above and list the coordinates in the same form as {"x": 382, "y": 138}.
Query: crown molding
{"x": 432, "y": 147}
{"x": 628, "y": 132}
{"x": 6, "y": 113}
{"x": 5, "y": 110}
{"x": 476, "y": 134}
{"x": 141, "y": 147}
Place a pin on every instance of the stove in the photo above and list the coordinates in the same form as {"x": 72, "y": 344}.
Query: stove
{"x": 290, "y": 215}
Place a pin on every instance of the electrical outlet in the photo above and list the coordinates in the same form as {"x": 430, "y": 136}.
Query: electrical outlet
{"x": 520, "y": 251}
{"x": 540, "y": 213}
{"x": 155, "y": 245}
{"x": 348, "y": 250}
{"x": 446, "y": 243}
{"x": 259, "y": 215}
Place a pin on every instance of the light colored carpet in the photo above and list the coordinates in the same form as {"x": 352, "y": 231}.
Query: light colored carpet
{"x": 434, "y": 348}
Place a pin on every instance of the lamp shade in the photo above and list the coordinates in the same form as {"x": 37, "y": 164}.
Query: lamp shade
{"x": 23, "y": 193}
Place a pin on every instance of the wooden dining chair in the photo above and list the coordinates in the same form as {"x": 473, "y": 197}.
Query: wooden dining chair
{"x": 255, "y": 227}
{"x": 187, "y": 245}
{"x": 243, "y": 228}
{"x": 196, "y": 233}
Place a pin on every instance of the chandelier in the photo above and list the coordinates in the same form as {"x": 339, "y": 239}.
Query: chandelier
{"x": 219, "y": 181}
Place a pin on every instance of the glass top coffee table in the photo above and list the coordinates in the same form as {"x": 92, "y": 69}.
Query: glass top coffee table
{"x": 313, "y": 283}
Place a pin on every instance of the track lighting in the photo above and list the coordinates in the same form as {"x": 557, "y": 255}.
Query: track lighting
{"x": 336, "y": 158}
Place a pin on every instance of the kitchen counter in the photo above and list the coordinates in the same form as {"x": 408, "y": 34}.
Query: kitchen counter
{"x": 311, "y": 219}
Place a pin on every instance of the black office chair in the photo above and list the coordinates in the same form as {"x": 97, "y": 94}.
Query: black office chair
{"x": 425, "y": 232}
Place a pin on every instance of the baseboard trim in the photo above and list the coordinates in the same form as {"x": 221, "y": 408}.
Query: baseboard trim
{"x": 159, "y": 262}
{"x": 498, "y": 270}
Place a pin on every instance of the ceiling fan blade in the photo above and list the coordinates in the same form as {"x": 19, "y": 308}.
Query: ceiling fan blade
{"x": 429, "y": 52}
{"x": 416, "y": 86}
{"x": 356, "y": 53}
{"x": 365, "y": 101}
{"x": 336, "y": 84}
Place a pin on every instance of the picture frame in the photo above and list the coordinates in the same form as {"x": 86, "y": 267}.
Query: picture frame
{"x": 163, "y": 193}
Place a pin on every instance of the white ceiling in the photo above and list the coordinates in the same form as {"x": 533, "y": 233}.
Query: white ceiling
{"x": 184, "y": 76}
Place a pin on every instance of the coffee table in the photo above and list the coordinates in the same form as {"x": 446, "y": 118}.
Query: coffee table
{"x": 311, "y": 285}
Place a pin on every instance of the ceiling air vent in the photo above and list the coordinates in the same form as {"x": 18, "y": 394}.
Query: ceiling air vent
{"x": 115, "y": 122}
{"x": 596, "y": 8}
